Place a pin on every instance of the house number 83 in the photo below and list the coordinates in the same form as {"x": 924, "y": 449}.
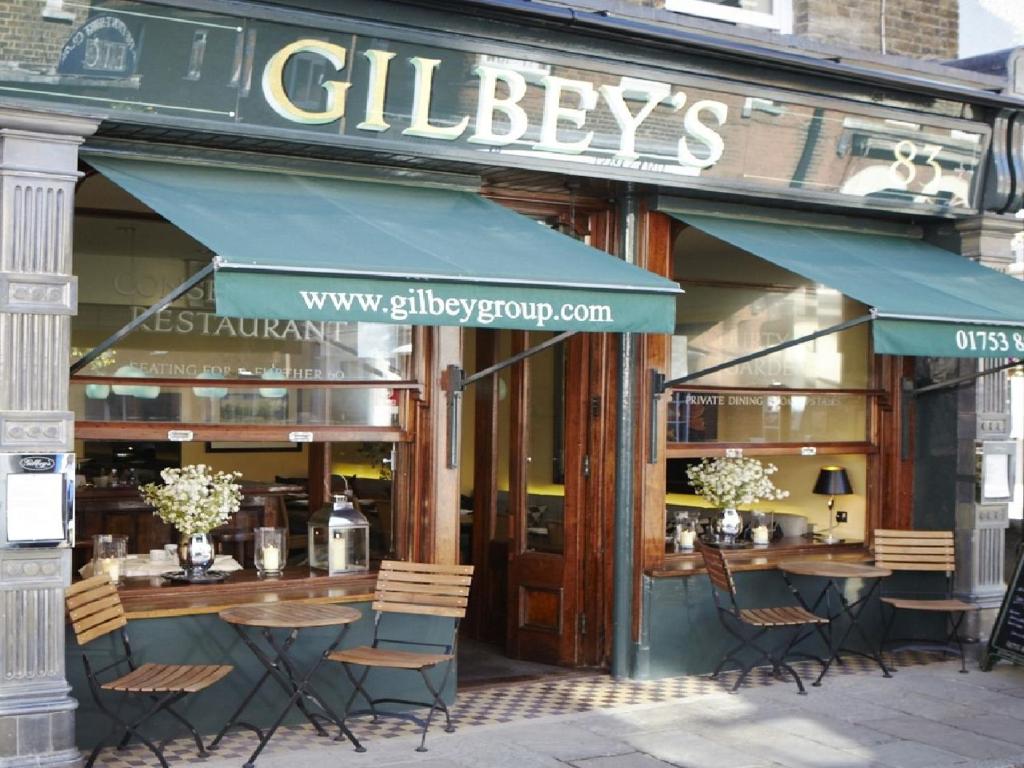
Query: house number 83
{"x": 903, "y": 169}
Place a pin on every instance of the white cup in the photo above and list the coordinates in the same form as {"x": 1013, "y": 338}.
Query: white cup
{"x": 157, "y": 555}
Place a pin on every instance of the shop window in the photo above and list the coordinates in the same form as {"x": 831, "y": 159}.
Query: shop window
{"x": 800, "y": 408}
{"x": 771, "y": 14}
{"x": 246, "y": 371}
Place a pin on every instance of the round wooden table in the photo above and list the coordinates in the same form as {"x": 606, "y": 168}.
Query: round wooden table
{"x": 836, "y": 573}
{"x": 253, "y": 621}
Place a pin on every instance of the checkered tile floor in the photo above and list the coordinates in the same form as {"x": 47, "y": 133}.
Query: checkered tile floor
{"x": 503, "y": 704}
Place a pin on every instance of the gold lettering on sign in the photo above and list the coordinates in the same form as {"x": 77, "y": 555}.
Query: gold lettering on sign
{"x": 376, "y": 89}
{"x": 695, "y": 129}
{"x": 489, "y": 103}
{"x": 420, "y": 125}
{"x": 277, "y": 98}
{"x": 554, "y": 113}
{"x": 614, "y": 96}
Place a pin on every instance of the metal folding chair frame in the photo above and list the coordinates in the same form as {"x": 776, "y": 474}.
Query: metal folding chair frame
{"x": 437, "y": 703}
{"x": 749, "y": 640}
{"x": 952, "y": 645}
{"x": 161, "y": 703}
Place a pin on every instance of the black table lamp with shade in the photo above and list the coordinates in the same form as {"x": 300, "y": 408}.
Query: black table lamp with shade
{"x": 832, "y": 482}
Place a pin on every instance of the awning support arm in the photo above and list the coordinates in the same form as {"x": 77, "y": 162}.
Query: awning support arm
{"x": 666, "y": 385}
{"x": 1013, "y": 363}
{"x": 657, "y": 390}
{"x": 659, "y": 385}
{"x": 119, "y": 334}
{"x": 457, "y": 381}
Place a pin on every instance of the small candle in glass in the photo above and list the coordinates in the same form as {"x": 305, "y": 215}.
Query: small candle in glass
{"x": 108, "y": 556}
{"x": 270, "y": 551}
{"x": 759, "y": 533}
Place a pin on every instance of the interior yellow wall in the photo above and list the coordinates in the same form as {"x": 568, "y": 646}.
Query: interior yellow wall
{"x": 348, "y": 460}
{"x": 797, "y": 475}
{"x": 258, "y": 466}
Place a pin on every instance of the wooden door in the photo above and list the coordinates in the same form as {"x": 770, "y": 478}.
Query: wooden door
{"x": 548, "y": 468}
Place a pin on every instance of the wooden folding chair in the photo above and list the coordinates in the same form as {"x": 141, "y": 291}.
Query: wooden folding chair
{"x": 95, "y": 610}
{"x": 923, "y": 551}
{"x": 749, "y": 625}
{"x": 410, "y": 588}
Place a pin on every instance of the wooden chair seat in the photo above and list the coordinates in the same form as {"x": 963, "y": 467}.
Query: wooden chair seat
{"x": 787, "y": 616}
{"x": 168, "y": 678}
{"x": 913, "y": 604}
{"x": 94, "y": 608}
{"x": 365, "y": 656}
{"x": 437, "y": 592}
{"x": 748, "y": 625}
{"x": 923, "y": 552}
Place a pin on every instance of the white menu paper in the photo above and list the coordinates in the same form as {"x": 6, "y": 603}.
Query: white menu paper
{"x": 35, "y": 507}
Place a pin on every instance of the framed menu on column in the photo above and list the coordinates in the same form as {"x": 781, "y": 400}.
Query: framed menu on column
{"x": 1007, "y": 639}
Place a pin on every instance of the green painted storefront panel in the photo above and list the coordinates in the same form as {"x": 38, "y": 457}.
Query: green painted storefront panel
{"x": 927, "y": 301}
{"x": 300, "y": 247}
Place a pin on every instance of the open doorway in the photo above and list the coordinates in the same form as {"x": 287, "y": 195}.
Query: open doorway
{"x": 529, "y": 480}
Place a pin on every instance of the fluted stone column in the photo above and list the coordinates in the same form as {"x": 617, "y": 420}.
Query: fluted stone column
{"x": 981, "y": 528}
{"x": 38, "y": 171}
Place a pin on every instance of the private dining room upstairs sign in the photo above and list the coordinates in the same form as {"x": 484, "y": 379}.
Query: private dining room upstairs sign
{"x": 471, "y": 99}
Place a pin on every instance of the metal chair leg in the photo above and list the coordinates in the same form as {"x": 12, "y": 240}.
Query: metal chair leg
{"x": 358, "y": 690}
{"x": 956, "y": 638}
{"x": 436, "y": 705}
{"x": 885, "y": 637}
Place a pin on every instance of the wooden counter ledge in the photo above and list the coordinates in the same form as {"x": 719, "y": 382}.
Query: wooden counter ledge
{"x": 154, "y": 598}
{"x": 764, "y": 558}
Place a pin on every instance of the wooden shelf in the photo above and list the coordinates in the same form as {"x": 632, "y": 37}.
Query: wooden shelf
{"x": 154, "y": 598}
{"x": 764, "y": 558}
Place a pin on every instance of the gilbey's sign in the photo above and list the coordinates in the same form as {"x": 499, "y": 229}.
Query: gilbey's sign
{"x": 502, "y": 105}
{"x": 555, "y": 105}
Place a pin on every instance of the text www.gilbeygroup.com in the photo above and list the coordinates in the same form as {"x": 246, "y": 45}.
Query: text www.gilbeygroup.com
{"x": 422, "y": 302}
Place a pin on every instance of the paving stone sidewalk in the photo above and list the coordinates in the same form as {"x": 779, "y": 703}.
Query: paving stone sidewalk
{"x": 925, "y": 717}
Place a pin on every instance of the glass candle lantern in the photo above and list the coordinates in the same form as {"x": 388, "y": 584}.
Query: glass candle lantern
{"x": 109, "y": 553}
{"x": 760, "y": 531}
{"x": 339, "y": 538}
{"x": 685, "y": 532}
{"x": 270, "y": 551}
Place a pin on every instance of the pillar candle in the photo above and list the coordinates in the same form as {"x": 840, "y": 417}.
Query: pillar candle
{"x": 110, "y": 566}
{"x": 686, "y": 539}
{"x": 338, "y": 555}
{"x": 760, "y": 534}
{"x": 271, "y": 558}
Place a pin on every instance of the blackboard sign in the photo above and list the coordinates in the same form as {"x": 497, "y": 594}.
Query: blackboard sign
{"x": 1007, "y": 640}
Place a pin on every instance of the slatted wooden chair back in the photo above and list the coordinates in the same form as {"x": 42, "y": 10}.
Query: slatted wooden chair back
{"x": 915, "y": 550}
{"x": 421, "y": 588}
{"x": 718, "y": 571}
{"x": 94, "y": 608}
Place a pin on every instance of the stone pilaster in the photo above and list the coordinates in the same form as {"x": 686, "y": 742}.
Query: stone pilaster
{"x": 38, "y": 171}
{"x": 981, "y": 528}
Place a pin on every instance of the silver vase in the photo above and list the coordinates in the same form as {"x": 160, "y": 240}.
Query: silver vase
{"x": 195, "y": 553}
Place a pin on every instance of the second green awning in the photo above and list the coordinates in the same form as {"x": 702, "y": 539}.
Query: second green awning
{"x": 299, "y": 247}
{"x": 925, "y": 300}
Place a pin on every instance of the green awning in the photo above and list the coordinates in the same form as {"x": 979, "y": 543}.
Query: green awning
{"x": 925, "y": 300}
{"x": 299, "y": 247}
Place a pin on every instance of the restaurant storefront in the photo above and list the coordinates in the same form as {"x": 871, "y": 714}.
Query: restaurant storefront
{"x": 284, "y": 242}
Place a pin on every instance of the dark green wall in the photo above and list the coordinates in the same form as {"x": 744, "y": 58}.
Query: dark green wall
{"x": 208, "y": 640}
{"x": 686, "y": 637}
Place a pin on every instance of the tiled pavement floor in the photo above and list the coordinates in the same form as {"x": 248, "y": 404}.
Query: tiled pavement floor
{"x": 928, "y": 715}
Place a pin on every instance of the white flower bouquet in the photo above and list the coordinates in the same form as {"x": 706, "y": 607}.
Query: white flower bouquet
{"x": 193, "y": 499}
{"x": 730, "y": 482}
